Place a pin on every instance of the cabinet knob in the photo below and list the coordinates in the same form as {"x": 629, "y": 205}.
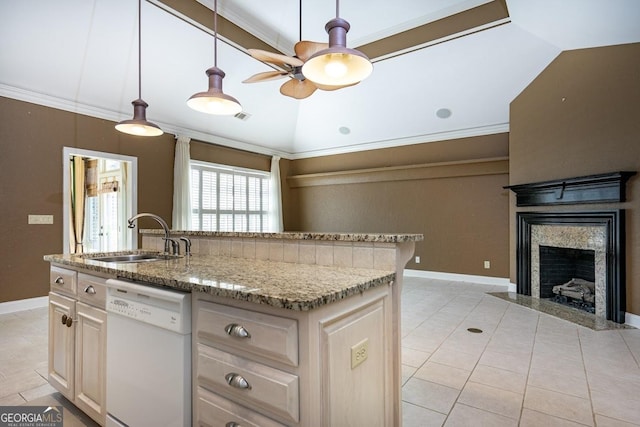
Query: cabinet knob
{"x": 237, "y": 381}
{"x": 59, "y": 280}
{"x": 66, "y": 320}
{"x": 90, "y": 290}
{"x": 235, "y": 330}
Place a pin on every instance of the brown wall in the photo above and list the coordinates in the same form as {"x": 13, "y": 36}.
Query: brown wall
{"x": 31, "y": 142}
{"x": 581, "y": 116}
{"x": 464, "y": 218}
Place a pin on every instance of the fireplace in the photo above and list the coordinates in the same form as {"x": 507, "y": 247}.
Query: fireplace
{"x": 554, "y": 248}
{"x": 562, "y": 265}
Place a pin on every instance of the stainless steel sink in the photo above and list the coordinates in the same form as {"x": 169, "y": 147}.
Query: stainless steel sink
{"x": 132, "y": 258}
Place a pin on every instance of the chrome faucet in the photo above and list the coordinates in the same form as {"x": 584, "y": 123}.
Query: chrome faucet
{"x": 168, "y": 241}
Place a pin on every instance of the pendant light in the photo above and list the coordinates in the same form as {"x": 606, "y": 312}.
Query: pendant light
{"x": 337, "y": 65}
{"x": 214, "y": 101}
{"x": 139, "y": 125}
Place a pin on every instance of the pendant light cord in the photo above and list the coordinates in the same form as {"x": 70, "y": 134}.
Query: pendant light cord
{"x": 215, "y": 33}
{"x": 139, "y": 49}
{"x": 337, "y": 8}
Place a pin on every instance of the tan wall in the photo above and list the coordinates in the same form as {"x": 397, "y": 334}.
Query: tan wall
{"x": 31, "y": 142}
{"x": 464, "y": 218}
{"x": 581, "y": 116}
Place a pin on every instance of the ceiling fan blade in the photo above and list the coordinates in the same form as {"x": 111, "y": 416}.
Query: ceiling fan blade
{"x": 274, "y": 58}
{"x": 265, "y": 76}
{"x": 327, "y": 87}
{"x": 304, "y": 49}
{"x": 298, "y": 89}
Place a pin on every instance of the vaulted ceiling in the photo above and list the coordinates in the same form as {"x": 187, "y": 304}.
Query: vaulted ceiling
{"x": 442, "y": 68}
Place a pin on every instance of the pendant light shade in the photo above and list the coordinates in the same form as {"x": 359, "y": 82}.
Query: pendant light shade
{"x": 214, "y": 100}
{"x": 337, "y": 65}
{"x": 139, "y": 125}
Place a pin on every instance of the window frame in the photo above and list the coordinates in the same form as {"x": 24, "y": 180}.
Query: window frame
{"x": 249, "y": 216}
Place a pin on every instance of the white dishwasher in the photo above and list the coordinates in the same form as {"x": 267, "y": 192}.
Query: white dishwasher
{"x": 148, "y": 355}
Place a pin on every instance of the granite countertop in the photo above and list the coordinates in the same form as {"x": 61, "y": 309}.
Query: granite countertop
{"x": 285, "y": 285}
{"x": 293, "y": 235}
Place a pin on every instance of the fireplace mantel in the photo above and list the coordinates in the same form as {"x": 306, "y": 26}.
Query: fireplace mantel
{"x": 603, "y": 188}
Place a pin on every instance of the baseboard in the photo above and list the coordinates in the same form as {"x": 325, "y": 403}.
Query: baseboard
{"x": 632, "y": 320}
{"x": 23, "y": 304}
{"x": 455, "y": 277}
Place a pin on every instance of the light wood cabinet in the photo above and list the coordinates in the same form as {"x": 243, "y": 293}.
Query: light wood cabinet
{"x": 259, "y": 365}
{"x": 77, "y": 340}
{"x": 61, "y": 344}
{"x": 90, "y": 356}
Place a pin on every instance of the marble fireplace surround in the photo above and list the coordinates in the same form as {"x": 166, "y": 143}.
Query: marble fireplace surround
{"x": 602, "y": 232}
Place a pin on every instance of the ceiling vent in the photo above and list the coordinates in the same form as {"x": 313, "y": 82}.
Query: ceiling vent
{"x": 242, "y": 116}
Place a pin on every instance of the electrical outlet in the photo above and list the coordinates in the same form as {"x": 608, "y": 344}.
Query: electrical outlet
{"x": 40, "y": 219}
{"x": 359, "y": 353}
{"x": 487, "y": 264}
{"x": 417, "y": 260}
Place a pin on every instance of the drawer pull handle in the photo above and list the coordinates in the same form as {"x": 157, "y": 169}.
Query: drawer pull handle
{"x": 237, "y": 381}
{"x": 59, "y": 280}
{"x": 232, "y": 424}
{"x": 235, "y": 330}
{"x": 66, "y": 320}
{"x": 90, "y": 290}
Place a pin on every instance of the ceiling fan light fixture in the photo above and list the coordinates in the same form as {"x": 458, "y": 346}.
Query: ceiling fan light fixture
{"x": 139, "y": 125}
{"x": 337, "y": 65}
{"x": 214, "y": 100}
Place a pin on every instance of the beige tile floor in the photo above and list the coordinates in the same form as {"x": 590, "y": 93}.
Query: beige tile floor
{"x": 526, "y": 368}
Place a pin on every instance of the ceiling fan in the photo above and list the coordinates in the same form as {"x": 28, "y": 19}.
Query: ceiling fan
{"x": 298, "y": 86}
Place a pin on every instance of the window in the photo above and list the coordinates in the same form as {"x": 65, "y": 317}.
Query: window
{"x": 225, "y": 198}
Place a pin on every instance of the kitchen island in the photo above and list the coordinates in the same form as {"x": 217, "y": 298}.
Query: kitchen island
{"x": 322, "y": 313}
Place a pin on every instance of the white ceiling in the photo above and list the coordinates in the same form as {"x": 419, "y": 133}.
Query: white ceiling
{"x": 81, "y": 56}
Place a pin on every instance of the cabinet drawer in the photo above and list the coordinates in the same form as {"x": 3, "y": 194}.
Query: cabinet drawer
{"x": 92, "y": 290}
{"x": 266, "y": 388}
{"x": 216, "y": 411}
{"x": 63, "y": 280}
{"x": 268, "y": 336}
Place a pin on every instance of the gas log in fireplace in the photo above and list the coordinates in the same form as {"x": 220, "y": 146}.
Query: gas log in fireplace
{"x": 575, "y": 257}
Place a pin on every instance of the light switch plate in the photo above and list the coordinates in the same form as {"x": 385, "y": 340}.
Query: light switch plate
{"x": 40, "y": 219}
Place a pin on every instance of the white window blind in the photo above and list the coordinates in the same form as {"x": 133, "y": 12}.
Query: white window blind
{"x": 228, "y": 199}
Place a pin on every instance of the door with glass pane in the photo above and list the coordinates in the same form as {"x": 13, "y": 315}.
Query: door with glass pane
{"x": 105, "y": 209}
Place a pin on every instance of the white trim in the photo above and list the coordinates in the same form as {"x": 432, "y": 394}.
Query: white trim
{"x": 101, "y": 113}
{"x": 23, "y": 304}
{"x": 632, "y": 320}
{"x": 447, "y": 38}
{"x": 132, "y": 188}
{"x": 398, "y": 142}
{"x": 455, "y": 277}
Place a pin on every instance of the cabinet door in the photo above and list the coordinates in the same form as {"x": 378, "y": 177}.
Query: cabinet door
{"x": 355, "y": 369}
{"x": 61, "y": 343}
{"x": 90, "y": 381}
